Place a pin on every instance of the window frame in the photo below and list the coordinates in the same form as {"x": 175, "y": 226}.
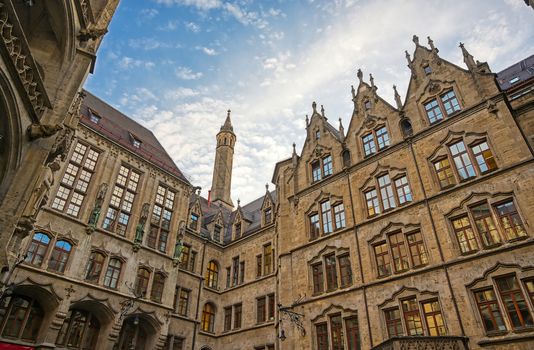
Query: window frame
{"x": 321, "y": 168}
{"x": 441, "y": 105}
{"x": 370, "y": 140}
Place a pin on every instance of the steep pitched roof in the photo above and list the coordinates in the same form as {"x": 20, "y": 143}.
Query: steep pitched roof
{"x": 517, "y": 74}
{"x": 121, "y": 129}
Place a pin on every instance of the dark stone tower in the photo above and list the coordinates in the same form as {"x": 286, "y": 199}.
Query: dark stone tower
{"x": 222, "y": 170}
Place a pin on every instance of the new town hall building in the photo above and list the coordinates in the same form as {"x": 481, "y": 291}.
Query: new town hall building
{"x": 410, "y": 229}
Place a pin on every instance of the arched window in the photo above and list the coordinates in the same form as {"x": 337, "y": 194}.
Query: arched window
{"x": 157, "y": 287}
{"x": 406, "y": 128}
{"x": 60, "y": 256}
{"x": 141, "y": 284}
{"x": 79, "y": 331}
{"x": 94, "y": 267}
{"x": 20, "y": 317}
{"x": 37, "y": 249}
{"x": 208, "y": 317}
{"x": 113, "y": 272}
{"x": 212, "y": 275}
{"x": 346, "y": 158}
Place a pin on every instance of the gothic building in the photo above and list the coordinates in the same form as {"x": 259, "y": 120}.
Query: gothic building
{"x": 411, "y": 229}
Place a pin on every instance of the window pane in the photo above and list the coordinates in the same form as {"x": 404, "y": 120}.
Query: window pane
{"x": 434, "y": 319}
{"x": 318, "y": 283}
{"x": 464, "y": 234}
{"x": 444, "y": 173}
{"x": 382, "y": 137}
{"x": 386, "y": 192}
{"x": 369, "y": 145}
{"x": 373, "y": 206}
{"x": 322, "y": 336}
{"x": 327, "y": 217}
{"x": 337, "y": 332}
{"x": 331, "y": 272}
{"x": 433, "y": 111}
{"x": 398, "y": 248}
{"x": 489, "y": 310}
{"x": 403, "y": 190}
{"x": 316, "y": 171}
{"x": 339, "y": 215}
{"x": 412, "y": 317}
{"x": 485, "y": 225}
{"x": 450, "y": 102}
{"x": 383, "y": 262}
{"x": 327, "y": 166}
{"x": 510, "y": 220}
{"x": 484, "y": 157}
{"x": 417, "y": 249}
{"x": 393, "y": 322}
{"x": 514, "y": 302}
{"x": 462, "y": 161}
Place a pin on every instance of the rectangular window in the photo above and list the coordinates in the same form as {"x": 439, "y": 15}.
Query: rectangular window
{"x": 318, "y": 279}
{"x": 183, "y": 302}
{"x": 316, "y": 171}
{"x": 373, "y": 206}
{"x": 241, "y": 272}
{"x": 192, "y": 261}
{"x": 314, "y": 226}
{"x": 369, "y": 145}
{"x": 382, "y": 138}
{"x": 227, "y": 318}
{"x": 345, "y": 270}
{"x": 484, "y": 157}
{"x": 450, "y": 102}
{"x": 510, "y": 221}
{"x": 485, "y": 225}
{"x": 186, "y": 251}
{"x": 228, "y": 277}
{"x": 121, "y": 202}
{"x": 514, "y": 302}
{"x": 237, "y": 230}
{"x": 327, "y": 166}
{"x": 412, "y": 318}
{"x": 462, "y": 161}
{"x": 238, "y": 311}
{"x": 393, "y": 322}
{"x": 270, "y": 307}
{"x": 464, "y": 234}
{"x": 259, "y": 266}
{"x": 260, "y": 309}
{"x": 417, "y": 249}
{"x": 75, "y": 181}
{"x": 433, "y": 111}
{"x": 383, "y": 262}
{"x": 339, "y": 215}
{"x": 327, "y": 217}
{"x": 403, "y": 190}
{"x": 193, "y": 225}
{"x": 336, "y": 330}
{"x": 434, "y": 319}
{"x": 398, "y": 249}
{"x": 489, "y": 310}
{"x": 444, "y": 173}
{"x": 386, "y": 192}
{"x": 353, "y": 333}
{"x": 321, "y": 330}
{"x": 331, "y": 272}
{"x": 217, "y": 233}
{"x": 235, "y": 269}
{"x": 267, "y": 216}
{"x": 160, "y": 221}
{"x": 268, "y": 258}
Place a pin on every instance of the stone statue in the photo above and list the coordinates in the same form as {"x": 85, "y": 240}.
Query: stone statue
{"x": 140, "y": 228}
{"x": 179, "y": 246}
{"x": 41, "y": 193}
{"x": 36, "y": 131}
{"x": 95, "y": 214}
{"x": 61, "y": 145}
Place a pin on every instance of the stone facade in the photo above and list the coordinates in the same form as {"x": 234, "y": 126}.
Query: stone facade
{"x": 412, "y": 229}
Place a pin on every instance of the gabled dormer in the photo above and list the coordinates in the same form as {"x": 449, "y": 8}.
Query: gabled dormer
{"x": 238, "y": 223}
{"x": 216, "y": 227}
{"x": 195, "y": 215}
{"x": 267, "y": 208}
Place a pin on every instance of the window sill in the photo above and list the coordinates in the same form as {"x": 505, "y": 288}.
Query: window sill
{"x": 496, "y": 333}
{"x": 524, "y": 329}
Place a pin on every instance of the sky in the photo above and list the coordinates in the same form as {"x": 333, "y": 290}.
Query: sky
{"x": 177, "y": 66}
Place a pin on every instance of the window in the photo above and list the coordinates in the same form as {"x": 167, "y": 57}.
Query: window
{"x": 136, "y": 143}
{"x": 94, "y": 267}
{"x": 326, "y": 217}
{"x": 322, "y": 168}
{"x": 434, "y": 319}
{"x": 331, "y": 272}
{"x": 235, "y": 271}
{"x": 20, "y": 317}
{"x": 141, "y": 283}
{"x": 514, "y": 302}
{"x": 157, "y": 287}
{"x": 259, "y": 266}
{"x": 217, "y": 233}
{"x": 464, "y": 234}
{"x": 322, "y": 336}
{"x": 318, "y": 281}
{"x": 60, "y": 256}
{"x": 484, "y": 157}
{"x": 403, "y": 190}
{"x": 37, "y": 249}
{"x": 529, "y": 285}
{"x": 444, "y": 173}
{"x": 383, "y": 262}
{"x": 336, "y": 330}
{"x": 314, "y": 226}
{"x": 113, "y": 273}
{"x": 345, "y": 270}
{"x": 400, "y": 246}
{"x": 339, "y": 215}
{"x": 238, "y": 311}
{"x": 417, "y": 249}
{"x": 189, "y": 257}
{"x": 94, "y": 118}
{"x": 332, "y": 219}
{"x": 260, "y": 309}
{"x": 122, "y": 198}
{"x": 427, "y": 69}
{"x": 270, "y": 307}
{"x": 212, "y": 274}
{"x": 182, "y": 301}
{"x": 399, "y": 254}
{"x": 228, "y": 277}
{"x": 174, "y": 342}
{"x": 317, "y": 134}
{"x": 268, "y": 258}
{"x": 267, "y": 216}
{"x": 353, "y": 333}
{"x": 237, "y": 230}
{"x": 208, "y": 317}
{"x": 412, "y": 318}
{"x": 462, "y": 161}
{"x": 79, "y": 330}
{"x": 389, "y": 196}
{"x": 227, "y": 318}
{"x": 394, "y": 322}
{"x": 373, "y": 207}
{"x": 193, "y": 225}
{"x": 75, "y": 181}
{"x": 485, "y": 225}
{"x": 160, "y": 222}
{"x": 241, "y": 272}
{"x": 377, "y": 139}
{"x": 386, "y": 192}
{"x": 447, "y": 102}
{"x": 489, "y": 310}
{"x": 509, "y": 220}
{"x": 367, "y": 105}
{"x": 192, "y": 261}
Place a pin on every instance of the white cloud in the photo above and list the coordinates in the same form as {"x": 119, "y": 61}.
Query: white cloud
{"x": 193, "y": 27}
{"x": 208, "y": 51}
{"x": 149, "y": 13}
{"x": 126, "y": 63}
{"x": 187, "y": 73}
{"x": 200, "y": 4}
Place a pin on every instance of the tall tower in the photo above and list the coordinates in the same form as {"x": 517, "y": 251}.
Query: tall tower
{"x": 222, "y": 169}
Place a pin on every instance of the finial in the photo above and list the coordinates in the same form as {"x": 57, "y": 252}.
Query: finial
{"x": 341, "y": 129}
{"x": 322, "y": 110}
{"x": 468, "y": 58}
{"x": 314, "y": 107}
{"x": 228, "y": 115}
{"x": 353, "y": 91}
{"x": 372, "y": 80}
{"x": 415, "y": 39}
{"x": 360, "y": 75}
{"x": 397, "y": 98}
{"x": 238, "y": 202}
{"x": 294, "y": 148}
{"x": 408, "y": 58}
{"x": 431, "y": 43}
{"x": 307, "y": 121}
{"x": 267, "y": 187}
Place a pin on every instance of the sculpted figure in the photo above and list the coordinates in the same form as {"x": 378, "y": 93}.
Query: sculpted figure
{"x": 95, "y": 214}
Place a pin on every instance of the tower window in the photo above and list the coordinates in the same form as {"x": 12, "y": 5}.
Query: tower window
{"x": 427, "y": 69}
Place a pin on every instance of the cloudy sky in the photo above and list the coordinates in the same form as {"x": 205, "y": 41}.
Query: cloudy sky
{"x": 176, "y": 66}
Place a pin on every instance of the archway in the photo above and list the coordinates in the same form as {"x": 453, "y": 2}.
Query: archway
{"x": 137, "y": 333}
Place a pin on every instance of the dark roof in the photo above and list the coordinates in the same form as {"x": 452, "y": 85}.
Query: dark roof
{"x": 517, "y": 74}
{"x": 122, "y": 129}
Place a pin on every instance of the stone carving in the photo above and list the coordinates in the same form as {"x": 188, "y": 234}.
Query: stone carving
{"x": 91, "y": 34}
{"x": 179, "y": 246}
{"x": 23, "y": 62}
{"x": 37, "y": 131}
{"x": 95, "y": 213}
{"x": 61, "y": 146}
{"x": 41, "y": 193}
{"x": 73, "y": 115}
{"x": 140, "y": 228}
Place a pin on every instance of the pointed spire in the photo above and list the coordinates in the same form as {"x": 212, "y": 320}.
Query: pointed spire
{"x": 415, "y": 39}
{"x": 360, "y": 75}
{"x": 431, "y": 44}
{"x": 353, "y": 91}
{"x": 267, "y": 187}
{"x": 341, "y": 129}
{"x": 294, "y": 148}
{"x": 294, "y": 156}
{"x": 322, "y": 110}
{"x": 314, "y": 107}
{"x": 307, "y": 121}
{"x": 397, "y": 98}
{"x": 372, "y": 80}
{"x": 227, "y": 126}
{"x": 468, "y": 58}
{"x": 239, "y": 203}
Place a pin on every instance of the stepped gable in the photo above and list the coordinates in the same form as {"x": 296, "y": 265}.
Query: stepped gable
{"x": 122, "y": 129}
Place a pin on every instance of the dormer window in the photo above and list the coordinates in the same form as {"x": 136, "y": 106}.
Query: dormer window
{"x": 317, "y": 134}
{"x": 514, "y": 80}
{"x": 217, "y": 233}
{"x": 427, "y": 69}
{"x": 367, "y": 105}
{"x": 136, "y": 143}
{"x": 94, "y": 118}
{"x": 267, "y": 216}
{"x": 237, "y": 229}
{"x": 193, "y": 225}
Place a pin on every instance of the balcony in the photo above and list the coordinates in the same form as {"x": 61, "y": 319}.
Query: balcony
{"x": 427, "y": 343}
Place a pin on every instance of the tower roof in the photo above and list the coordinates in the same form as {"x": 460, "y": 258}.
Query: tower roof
{"x": 227, "y": 126}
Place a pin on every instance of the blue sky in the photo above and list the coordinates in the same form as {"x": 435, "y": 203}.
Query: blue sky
{"x": 176, "y": 66}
